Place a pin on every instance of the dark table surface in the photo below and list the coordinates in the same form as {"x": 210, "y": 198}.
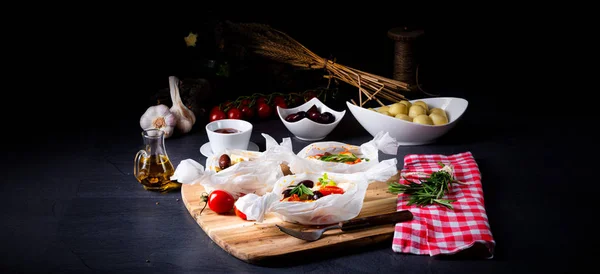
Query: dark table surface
{"x": 73, "y": 205}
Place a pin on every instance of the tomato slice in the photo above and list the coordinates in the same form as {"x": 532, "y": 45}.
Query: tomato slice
{"x": 327, "y": 190}
{"x": 239, "y": 213}
{"x": 294, "y": 198}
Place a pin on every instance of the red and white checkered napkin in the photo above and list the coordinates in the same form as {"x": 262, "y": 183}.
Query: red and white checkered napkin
{"x": 436, "y": 229}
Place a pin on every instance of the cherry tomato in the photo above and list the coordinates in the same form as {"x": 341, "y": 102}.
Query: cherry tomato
{"x": 215, "y": 109}
{"x": 234, "y": 113}
{"x": 264, "y": 111}
{"x": 247, "y": 112}
{"x": 217, "y": 115}
{"x": 220, "y": 201}
{"x": 309, "y": 95}
{"x": 296, "y": 101}
{"x": 281, "y": 104}
{"x": 278, "y": 99}
{"x": 327, "y": 190}
{"x": 239, "y": 213}
{"x": 245, "y": 102}
{"x": 261, "y": 100}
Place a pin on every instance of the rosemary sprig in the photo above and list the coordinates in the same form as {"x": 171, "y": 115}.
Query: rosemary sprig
{"x": 427, "y": 192}
{"x": 301, "y": 189}
{"x": 339, "y": 158}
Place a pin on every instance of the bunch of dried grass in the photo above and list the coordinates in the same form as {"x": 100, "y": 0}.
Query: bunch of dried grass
{"x": 276, "y": 45}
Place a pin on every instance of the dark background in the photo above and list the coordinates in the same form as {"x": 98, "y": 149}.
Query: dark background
{"x": 109, "y": 61}
{"x": 80, "y": 76}
{"x": 454, "y": 54}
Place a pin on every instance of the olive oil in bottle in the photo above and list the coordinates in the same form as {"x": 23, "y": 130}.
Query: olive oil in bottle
{"x": 152, "y": 166}
{"x": 155, "y": 172}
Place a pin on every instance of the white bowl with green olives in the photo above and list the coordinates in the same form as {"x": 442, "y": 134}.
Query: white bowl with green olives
{"x": 414, "y": 122}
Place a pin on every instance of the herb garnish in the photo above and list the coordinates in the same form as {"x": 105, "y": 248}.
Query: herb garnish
{"x": 343, "y": 157}
{"x": 301, "y": 189}
{"x": 325, "y": 181}
{"x": 429, "y": 191}
{"x": 339, "y": 158}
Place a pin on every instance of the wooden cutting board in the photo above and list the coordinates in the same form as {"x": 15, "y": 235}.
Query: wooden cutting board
{"x": 263, "y": 243}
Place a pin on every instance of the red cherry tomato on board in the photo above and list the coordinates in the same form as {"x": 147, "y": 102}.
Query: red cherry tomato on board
{"x": 220, "y": 201}
{"x": 264, "y": 111}
{"x": 239, "y": 213}
{"x": 217, "y": 115}
{"x": 234, "y": 113}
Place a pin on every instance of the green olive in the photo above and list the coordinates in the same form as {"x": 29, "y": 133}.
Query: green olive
{"x": 438, "y": 119}
{"x": 423, "y": 119}
{"x": 416, "y": 110}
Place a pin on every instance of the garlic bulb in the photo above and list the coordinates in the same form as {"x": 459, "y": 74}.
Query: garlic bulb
{"x": 159, "y": 117}
{"x": 185, "y": 117}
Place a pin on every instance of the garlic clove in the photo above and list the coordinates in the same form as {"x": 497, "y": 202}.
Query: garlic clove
{"x": 159, "y": 117}
{"x": 185, "y": 117}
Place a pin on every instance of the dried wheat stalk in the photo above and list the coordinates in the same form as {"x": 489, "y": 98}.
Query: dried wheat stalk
{"x": 278, "y": 46}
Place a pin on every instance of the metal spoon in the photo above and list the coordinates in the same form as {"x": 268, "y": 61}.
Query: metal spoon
{"x": 390, "y": 218}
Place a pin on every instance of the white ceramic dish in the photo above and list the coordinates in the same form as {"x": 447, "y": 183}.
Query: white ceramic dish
{"x": 206, "y": 150}
{"x": 409, "y": 133}
{"x": 307, "y": 129}
{"x": 221, "y": 141}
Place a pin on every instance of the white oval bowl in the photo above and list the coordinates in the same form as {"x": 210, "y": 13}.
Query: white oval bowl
{"x": 307, "y": 129}
{"x": 409, "y": 133}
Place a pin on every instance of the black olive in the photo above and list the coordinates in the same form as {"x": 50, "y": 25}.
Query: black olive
{"x": 307, "y": 183}
{"x": 326, "y": 118}
{"x": 317, "y": 194}
{"x": 300, "y": 115}
{"x": 224, "y": 161}
{"x": 315, "y": 116}
{"x": 290, "y": 118}
{"x": 286, "y": 193}
{"x": 295, "y": 117}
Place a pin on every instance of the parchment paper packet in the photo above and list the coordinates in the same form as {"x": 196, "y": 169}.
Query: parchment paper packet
{"x": 251, "y": 171}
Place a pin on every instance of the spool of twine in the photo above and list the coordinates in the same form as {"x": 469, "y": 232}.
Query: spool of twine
{"x": 405, "y": 57}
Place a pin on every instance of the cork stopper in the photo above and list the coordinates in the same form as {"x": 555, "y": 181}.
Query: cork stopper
{"x": 405, "y": 33}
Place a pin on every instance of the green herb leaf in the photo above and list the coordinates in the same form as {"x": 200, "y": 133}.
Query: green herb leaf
{"x": 301, "y": 189}
{"x": 341, "y": 158}
{"x": 444, "y": 202}
{"x": 427, "y": 192}
{"x": 324, "y": 180}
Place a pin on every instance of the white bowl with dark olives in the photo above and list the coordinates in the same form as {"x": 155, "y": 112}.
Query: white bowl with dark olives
{"x": 415, "y": 122}
{"x": 311, "y": 121}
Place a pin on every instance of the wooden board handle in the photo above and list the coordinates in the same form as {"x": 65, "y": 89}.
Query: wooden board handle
{"x": 390, "y": 218}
